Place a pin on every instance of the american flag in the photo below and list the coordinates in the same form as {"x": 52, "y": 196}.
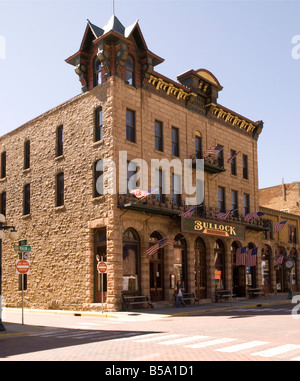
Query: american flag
{"x": 159, "y": 245}
{"x": 141, "y": 193}
{"x": 189, "y": 212}
{"x": 251, "y": 257}
{"x": 223, "y": 216}
{"x": 212, "y": 150}
{"x": 279, "y": 260}
{"x": 253, "y": 215}
{"x": 229, "y": 160}
{"x": 279, "y": 226}
{"x": 240, "y": 259}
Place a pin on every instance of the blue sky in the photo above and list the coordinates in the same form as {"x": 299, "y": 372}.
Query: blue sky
{"x": 247, "y": 45}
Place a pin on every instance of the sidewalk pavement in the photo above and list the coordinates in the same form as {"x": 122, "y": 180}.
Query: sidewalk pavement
{"x": 12, "y": 329}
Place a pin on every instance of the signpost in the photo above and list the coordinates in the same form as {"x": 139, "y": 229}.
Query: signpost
{"x": 23, "y": 266}
{"x": 102, "y": 269}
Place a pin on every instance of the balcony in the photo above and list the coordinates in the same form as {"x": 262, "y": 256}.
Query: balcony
{"x": 212, "y": 164}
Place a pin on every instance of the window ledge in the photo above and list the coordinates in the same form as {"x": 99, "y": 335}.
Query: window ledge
{"x": 98, "y": 143}
{"x": 27, "y": 170}
{"x": 26, "y": 216}
{"x": 61, "y": 208}
{"x": 59, "y": 158}
{"x": 3, "y": 179}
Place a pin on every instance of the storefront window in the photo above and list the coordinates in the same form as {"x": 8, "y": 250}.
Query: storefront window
{"x": 131, "y": 246}
{"x": 180, "y": 260}
{"x": 219, "y": 265}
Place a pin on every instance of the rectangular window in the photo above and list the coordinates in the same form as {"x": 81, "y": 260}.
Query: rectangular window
{"x": 3, "y": 203}
{"x": 26, "y": 198}
{"x": 221, "y": 199}
{"x": 292, "y": 234}
{"x": 59, "y": 141}
{"x": 3, "y": 165}
{"x": 245, "y": 166}
{"x": 159, "y": 185}
{"x": 176, "y": 189}
{"x": 98, "y": 179}
{"x": 220, "y": 157}
{"x": 98, "y": 124}
{"x": 27, "y": 154}
{"x": 60, "y": 189}
{"x": 198, "y": 147}
{"x": 158, "y": 135}
{"x": 234, "y": 203}
{"x": 246, "y": 198}
{"x": 130, "y": 125}
{"x": 175, "y": 141}
{"x": 233, "y": 162}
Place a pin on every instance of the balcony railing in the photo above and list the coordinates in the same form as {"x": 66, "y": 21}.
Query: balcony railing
{"x": 212, "y": 164}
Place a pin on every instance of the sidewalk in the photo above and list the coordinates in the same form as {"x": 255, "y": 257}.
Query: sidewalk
{"x": 147, "y": 314}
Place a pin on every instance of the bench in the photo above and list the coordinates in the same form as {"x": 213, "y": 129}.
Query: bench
{"x": 253, "y": 292}
{"x": 128, "y": 301}
{"x": 188, "y": 296}
{"x": 222, "y": 295}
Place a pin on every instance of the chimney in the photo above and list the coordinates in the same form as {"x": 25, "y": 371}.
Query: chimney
{"x": 283, "y": 190}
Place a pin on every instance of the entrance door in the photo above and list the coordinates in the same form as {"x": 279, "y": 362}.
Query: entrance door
{"x": 99, "y": 254}
{"x": 200, "y": 269}
{"x": 156, "y": 269}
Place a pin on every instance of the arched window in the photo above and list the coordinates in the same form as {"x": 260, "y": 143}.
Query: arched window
{"x": 156, "y": 270}
{"x": 198, "y": 145}
{"x": 97, "y": 72}
{"x": 131, "y": 250}
{"x": 219, "y": 259}
{"x": 238, "y": 272}
{"x": 129, "y": 67}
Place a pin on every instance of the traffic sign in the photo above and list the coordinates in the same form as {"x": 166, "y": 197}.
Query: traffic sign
{"x": 22, "y": 248}
{"x": 102, "y": 267}
{"x": 22, "y": 266}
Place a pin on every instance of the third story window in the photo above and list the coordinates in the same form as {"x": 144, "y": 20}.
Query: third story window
{"x": 175, "y": 141}
{"x": 3, "y": 165}
{"x": 59, "y": 140}
{"x": 27, "y": 154}
{"x": 245, "y": 166}
{"x": 98, "y": 124}
{"x": 26, "y": 199}
{"x": 246, "y": 204}
{"x": 158, "y": 135}
{"x": 221, "y": 199}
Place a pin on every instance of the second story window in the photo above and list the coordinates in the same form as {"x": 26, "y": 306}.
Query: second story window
{"x": 98, "y": 124}
{"x": 246, "y": 198}
{"x": 27, "y": 154}
{"x": 129, "y": 68}
{"x": 245, "y": 166}
{"x": 60, "y": 141}
{"x": 98, "y": 179}
{"x": 60, "y": 189}
{"x": 26, "y": 198}
{"x": 292, "y": 234}
{"x": 130, "y": 125}
{"x": 221, "y": 199}
{"x": 175, "y": 141}
{"x": 234, "y": 202}
{"x": 3, "y": 165}
{"x": 176, "y": 189}
{"x": 220, "y": 157}
{"x": 159, "y": 179}
{"x": 158, "y": 135}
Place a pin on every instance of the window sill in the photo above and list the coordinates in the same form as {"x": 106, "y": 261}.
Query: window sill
{"x": 99, "y": 198}
{"x": 59, "y": 158}
{"x": 26, "y": 217}
{"x": 3, "y": 179}
{"x": 27, "y": 170}
{"x": 61, "y": 208}
{"x": 130, "y": 142}
{"x": 98, "y": 143}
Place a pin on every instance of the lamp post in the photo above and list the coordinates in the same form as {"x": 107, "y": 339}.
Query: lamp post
{"x": 14, "y": 236}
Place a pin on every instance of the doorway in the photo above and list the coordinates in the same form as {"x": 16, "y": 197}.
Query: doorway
{"x": 156, "y": 270}
{"x": 99, "y": 254}
{"x": 200, "y": 269}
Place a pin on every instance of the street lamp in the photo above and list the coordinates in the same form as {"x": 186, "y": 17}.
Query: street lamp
{"x": 14, "y": 236}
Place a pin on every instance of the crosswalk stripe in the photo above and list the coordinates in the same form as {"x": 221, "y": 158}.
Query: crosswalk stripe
{"x": 156, "y": 338}
{"x": 77, "y": 334}
{"x": 240, "y": 347}
{"x": 183, "y": 340}
{"x": 48, "y": 334}
{"x": 210, "y": 342}
{"x": 276, "y": 351}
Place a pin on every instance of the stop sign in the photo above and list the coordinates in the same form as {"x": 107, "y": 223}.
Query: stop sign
{"x": 22, "y": 266}
{"x": 102, "y": 267}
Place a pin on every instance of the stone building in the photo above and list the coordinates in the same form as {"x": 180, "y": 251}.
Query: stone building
{"x": 284, "y": 197}
{"x": 51, "y": 184}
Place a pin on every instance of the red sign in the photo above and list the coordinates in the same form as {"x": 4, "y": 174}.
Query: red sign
{"x": 102, "y": 267}
{"x": 22, "y": 266}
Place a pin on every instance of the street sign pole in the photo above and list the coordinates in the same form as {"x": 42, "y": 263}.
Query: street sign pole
{"x": 22, "y": 296}
{"x": 102, "y": 286}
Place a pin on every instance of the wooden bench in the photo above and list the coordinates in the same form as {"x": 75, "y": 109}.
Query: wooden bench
{"x": 129, "y": 301}
{"x": 222, "y": 295}
{"x": 188, "y": 296}
{"x": 253, "y": 292}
